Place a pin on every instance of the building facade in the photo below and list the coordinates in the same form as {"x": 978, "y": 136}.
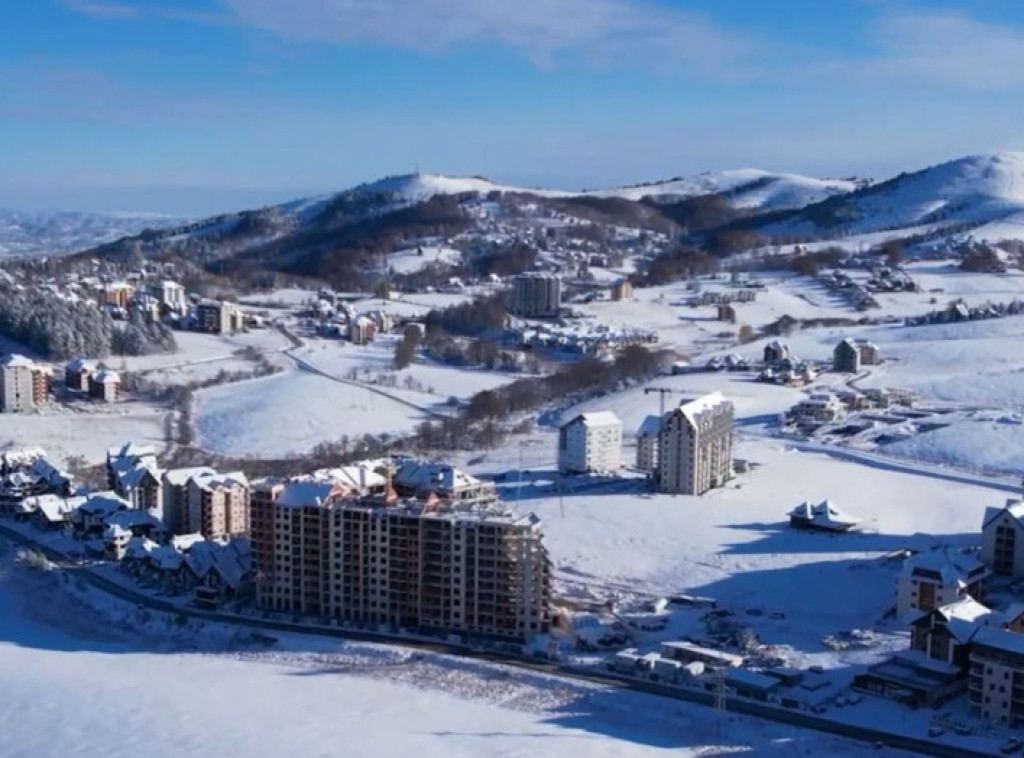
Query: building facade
{"x": 536, "y": 295}
{"x": 695, "y": 446}
{"x": 936, "y": 578}
{"x": 218, "y": 506}
{"x": 407, "y": 565}
{"x": 77, "y": 373}
{"x": 19, "y": 385}
{"x": 1002, "y": 539}
{"x": 647, "y": 437}
{"x": 591, "y": 442}
{"x": 995, "y": 682}
{"x": 846, "y": 358}
{"x": 218, "y": 317}
{"x": 175, "y": 497}
{"x": 105, "y": 385}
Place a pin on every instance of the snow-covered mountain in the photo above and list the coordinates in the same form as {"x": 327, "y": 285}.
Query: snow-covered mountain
{"x": 42, "y": 233}
{"x": 748, "y": 188}
{"x": 980, "y": 194}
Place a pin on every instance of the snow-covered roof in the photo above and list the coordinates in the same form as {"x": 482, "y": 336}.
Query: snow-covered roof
{"x": 1015, "y": 508}
{"x": 137, "y": 475}
{"x": 301, "y": 493}
{"x": 19, "y": 457}
{"x": 825, "y": 515}
{"x": 952, "y": 567}
{"x": 106, "y": 376}
{"x": 426, "y": 477}
{"x": 693, "y": 409}
{"x": 1000, "y": 639}
{"x": 80, "y": 364}
{"x": 53, "y": 508}
{"x": 360, "y": 477}
{"x": 99, "y": 503}
{"x": 140, "y": 548}
{"x": 597, "y": 418}
{"x": 131, "y": 450}
{"x": 184, "y": 542}
{"x": 132, "y": 519}
{"x": 16, "y": 361}
{"x": 178, "y": 477}
{"x": 650, "y": 427}
{"x": 217, "y": 481}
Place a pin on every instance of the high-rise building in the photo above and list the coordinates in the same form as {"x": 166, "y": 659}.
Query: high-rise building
{"x": 536, "y": 295}
{"x": 590, "y": 442}
{"x": 695, "y": 446}
{"x": 417, "y": 565}
{"x": 24, "y": 385}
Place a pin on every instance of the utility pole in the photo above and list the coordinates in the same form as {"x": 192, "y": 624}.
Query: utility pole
{"x": 662, "y": 391}
{"x": 720, "y": 699}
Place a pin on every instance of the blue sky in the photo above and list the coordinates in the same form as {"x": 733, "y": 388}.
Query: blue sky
{"x": 198, "y": 106}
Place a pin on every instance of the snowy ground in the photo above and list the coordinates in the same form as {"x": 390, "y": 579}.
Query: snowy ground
{"x": 75, "y": 683}
{"x": 65, "y": 434}
{"x": 291, "y": 412}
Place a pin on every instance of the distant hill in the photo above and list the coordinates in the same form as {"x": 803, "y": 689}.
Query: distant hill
{"x": 59, "y": 233}
{"x": 345, "y": 237}
{"x": 980, "y": 194}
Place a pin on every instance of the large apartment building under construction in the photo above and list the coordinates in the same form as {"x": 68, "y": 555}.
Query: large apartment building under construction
{"x": 324, "y": 549}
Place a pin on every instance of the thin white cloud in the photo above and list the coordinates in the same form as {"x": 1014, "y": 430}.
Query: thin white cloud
{"x": 619, "y": 32}
{"x": 951, "y": 48}
{"x": 612, "y": 33}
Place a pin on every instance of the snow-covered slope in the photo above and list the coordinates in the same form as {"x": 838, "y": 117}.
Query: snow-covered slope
{"x": 969, "y": 193}
{"x": 419, "y": 187}
{"x": 746, "y": 188}
{"x": 42, "y": 233}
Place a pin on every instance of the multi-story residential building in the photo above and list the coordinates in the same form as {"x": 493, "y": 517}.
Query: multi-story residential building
{"x": 121, "y": 460}
{"x": 218, "y": 317}
{"x": 171, "y": 295}
{"x": 175, "y": 496}
{"x": 536, "y": 295}
{"x": 105, "y": 385}
{"x": 591, "y": 442}
{"x": 944, "y": 634}
{"x": 868, "y": 353}
{"x": 22, "y": 387}
{"x": 1002, "y": 539}
{"x": 361, "y": 330}
{"x": 142, "y": 487}
{"x": 776, "y": 352}
{"x": 218, "y": 505}
{"x": 846, "y": 357}
{"x": 77, "y": 373}
{"x": 695, "y": 446}
{"x": 995, "y": 684}
{"x": 429, "y": 567}
{"x": 936, "y": 578}
{"x": 647, "y": 444}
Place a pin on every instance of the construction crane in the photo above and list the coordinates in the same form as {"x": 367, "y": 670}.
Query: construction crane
{"x": 662, "y": 391}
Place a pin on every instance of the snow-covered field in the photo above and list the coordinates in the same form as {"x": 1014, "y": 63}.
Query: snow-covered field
{"x": 89, "y": 434}
{"x": 291, "y": 412}
{"x": 78, "y": 683}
